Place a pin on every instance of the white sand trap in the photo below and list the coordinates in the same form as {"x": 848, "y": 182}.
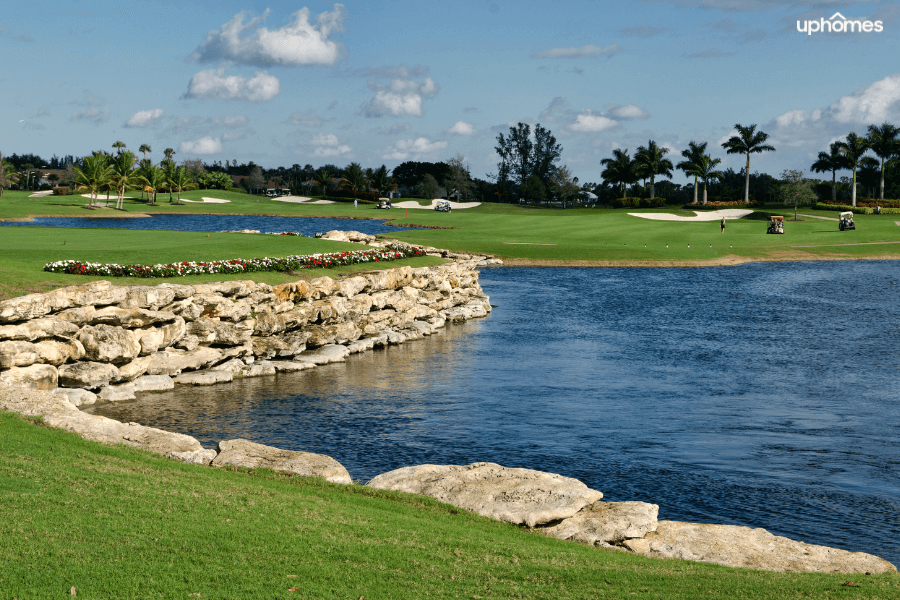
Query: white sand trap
{"x": 711, "y": 215}
{"x": 207, "y": 201}
{"x": 453, "y": 205}
{"x": 41, "y": 194}
{"x": 302, "y": 200}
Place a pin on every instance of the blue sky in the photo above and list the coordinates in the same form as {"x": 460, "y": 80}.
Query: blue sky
{"x": 383, "y": 82}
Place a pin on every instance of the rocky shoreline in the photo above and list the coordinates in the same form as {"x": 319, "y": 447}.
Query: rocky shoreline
{"x": 98, "y": 341}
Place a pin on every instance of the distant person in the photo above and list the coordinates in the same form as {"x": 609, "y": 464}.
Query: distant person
{"x": 722, "y": 224}
{"x": 354, "y": 203}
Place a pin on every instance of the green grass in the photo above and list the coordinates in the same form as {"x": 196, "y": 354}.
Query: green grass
{"x": 114, "y": 522}
{"x": 25, "y": 250}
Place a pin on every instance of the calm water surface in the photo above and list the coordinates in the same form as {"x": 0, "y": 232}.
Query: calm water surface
{"x": 762, "y": 395}
{"x": 304, "y": 225}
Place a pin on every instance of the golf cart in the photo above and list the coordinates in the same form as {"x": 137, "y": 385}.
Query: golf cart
{"x": 384, "y": 204}
{"x": 846, "y": 221}
{"x": 776, "y": 224}
{"x": 442, "y": 206}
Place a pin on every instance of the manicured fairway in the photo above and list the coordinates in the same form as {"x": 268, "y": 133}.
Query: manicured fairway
{"x": 113, "y": 523}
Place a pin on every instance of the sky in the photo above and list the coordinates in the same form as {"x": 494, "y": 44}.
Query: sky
{"x": 283, "y": 83}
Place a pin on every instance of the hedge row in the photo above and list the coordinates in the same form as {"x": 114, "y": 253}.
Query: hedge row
{"x": 638, "y": 202}
{"x": 873, "y": 202}
{"x": 857, "y": 210}
{"x": 344, "y": 195}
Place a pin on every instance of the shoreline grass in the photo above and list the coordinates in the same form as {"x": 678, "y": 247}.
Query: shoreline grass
{"x": 115, "y": 522}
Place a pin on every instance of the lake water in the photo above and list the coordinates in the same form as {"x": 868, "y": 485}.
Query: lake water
{"x": 306, "y": 226}
{"x": 761, "y": 395}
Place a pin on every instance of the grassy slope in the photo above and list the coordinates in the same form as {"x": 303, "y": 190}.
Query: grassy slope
{"x": 113, "y": 522}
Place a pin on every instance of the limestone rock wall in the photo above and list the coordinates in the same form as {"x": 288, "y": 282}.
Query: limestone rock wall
{"x": 112, "y": 341}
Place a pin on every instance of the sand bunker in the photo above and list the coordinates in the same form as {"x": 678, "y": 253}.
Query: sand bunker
{"x": 41, "y": 194}
{"x": 207, "y": 201}
{"x": 453, "y": 205}
{"x": 302, "y": 200}
{"x": 711, "y": 215}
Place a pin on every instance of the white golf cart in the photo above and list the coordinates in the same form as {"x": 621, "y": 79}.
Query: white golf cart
{"x": 776, "y": 224}
{"x": 846, "y": 221}
{"x": 442, "y": 206}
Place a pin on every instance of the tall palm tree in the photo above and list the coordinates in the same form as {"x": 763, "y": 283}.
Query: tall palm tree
{"x": 882, "y": 140}
{"x": 179, "y": 180}
{"x": 323, "y": 178}
{"x": 652, "y": 161}
{"x": 853, "y": 150}
{"x": 119, "y": 146}
{"x": 832, "y": 161}
{"x": 154, "y": 178}
{"x": 747, "y": 142}
{"x": 123, "y": 175}
{"x": 93, "y": 174}
{"x": 381, "y": 180}
{"x": 693, "y": 154}
{"x": 354, "y": 178}
{"x": 619, "y": 169}
{"x": 705, "y": 171}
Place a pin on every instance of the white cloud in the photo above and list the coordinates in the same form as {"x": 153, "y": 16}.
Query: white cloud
{"x": 307, "y": 119}
{"x": 400, "y": 97}
{"x": 95, "y": 116}
{"x": 233, "y": 121}
{"x": 462, "y": 128}
{"x": 262, "y": 87}
{"x": 417, "y": 147}
{"x": 299, "y": 43}
{"x": 144, "y": 118}
{"x": 327, "y": 145}
{"x": 627, "y": 111}
{"x": 588, "y": 122}
{"x": 589, "y": 51}
{"x": 205, "y": 145}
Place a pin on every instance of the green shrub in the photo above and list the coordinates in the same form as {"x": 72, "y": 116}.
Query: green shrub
{"x": 348, "y": 195}
{"x": 62, "y": 190}
{"x": 857, "y": 210}
{"x": 638, "y": 202}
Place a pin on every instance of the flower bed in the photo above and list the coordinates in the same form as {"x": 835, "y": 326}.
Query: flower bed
{"x": 237, "y": 265}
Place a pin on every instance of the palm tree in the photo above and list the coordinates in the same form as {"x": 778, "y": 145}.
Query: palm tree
{"x": 705, "y": 171}
{"x": 93, "y": 174}
{"x": 179, "y": 180}
{"x": 119, "y": 146}
{"x": 694, "y": 155}
{"x": 747, "y": 142}
{"x": 619, "y": 169}
{"x": 123, "y": 175}
{"x": 834, "y": 162}
{"x": 883, "y": 142}
{"x": 154, "y": 178}
{"x": 354, "y": 178}
{"x": 323, "y": 178}
{"x": 651, "y": 161}
{"x": 381, "y": 180}
{"x": 853, "y": 150}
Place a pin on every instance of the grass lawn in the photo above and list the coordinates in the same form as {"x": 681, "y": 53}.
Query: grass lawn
{"x": 544, "y": 234}
{"x": 114, "y": 522}
{"x": 25, "y": 250}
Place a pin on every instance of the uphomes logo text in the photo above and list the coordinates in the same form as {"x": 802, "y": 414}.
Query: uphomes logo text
{"x": 838, "y": 23}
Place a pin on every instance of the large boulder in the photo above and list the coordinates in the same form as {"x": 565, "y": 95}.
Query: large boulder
{"x": 134, "y": 369}
{"x": 205, "y": 377}
{"x": 153, "y": 383}
{"x": 38, "y": 377}
{"x": 17, "y": 354}
{"x": 59, "y": 351}
{"x": 88, "y": 374}
{"x": 152, "y": 297}
{"x": 95, "y": 293}
{"x": 222, "y": 333}
{"x": 37, "y": 329}
{"x": 243, "y": 453}
{"x": 324, "y": 355}
{"x": 154, "y": 338}
{"x": 173, "y": 362}
{"x": 520, "y": 496}
{"x": 607, "y": 523}
{"x": 339, "y": 333}
{"x": 116, "y": 393}
{"x": 106, "y": 343}
{"x": 22, "y": 308}
{"x": 749, "y": 548}
{"x": 130, "y": 318}
{"x": 77, "y": 396}
{"x": 102, "y": 429}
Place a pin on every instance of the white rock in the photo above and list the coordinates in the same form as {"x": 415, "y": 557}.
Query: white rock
{"x": 116, "y": 393}
{"x": 325, "y": 355}
{"x": 77, "y": 396}
{"x": 153, "y": 383}
{"x": 204, "y": 377}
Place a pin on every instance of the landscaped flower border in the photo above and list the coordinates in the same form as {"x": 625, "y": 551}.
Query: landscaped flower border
{"x": 238, "y": 265}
